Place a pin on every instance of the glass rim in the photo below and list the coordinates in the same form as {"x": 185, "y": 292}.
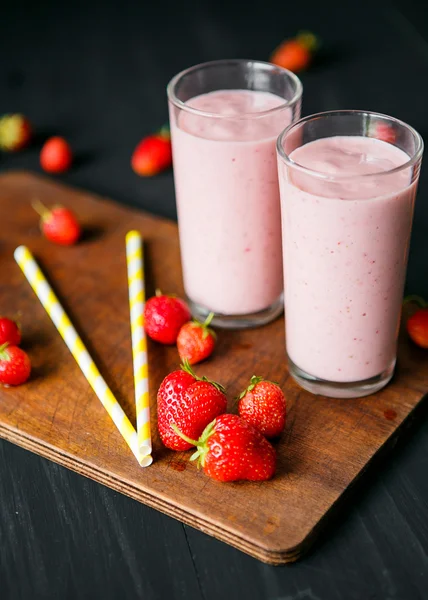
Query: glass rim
{"x": 417, "y": 155}
{"x": 248, "y": 115}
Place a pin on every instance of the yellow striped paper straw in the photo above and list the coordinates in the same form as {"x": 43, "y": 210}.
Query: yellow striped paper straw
{"x": 51, "y": 304}
{"x": 135, "y": 263}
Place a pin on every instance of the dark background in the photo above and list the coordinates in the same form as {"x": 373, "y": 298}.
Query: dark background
{"x": 96, "y": 74}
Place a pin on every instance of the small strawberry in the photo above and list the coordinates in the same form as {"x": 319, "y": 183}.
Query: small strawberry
{"x": 58, "y": 224}
{"x": 9, "y": 332}
{"x": 196, "y": 341}
{"x": 384, "y": 132}
{"x": 188, "y": 402}
{"x": 417, "y": 324}
{"x": 153, "y": 154}
{"x": 15, "y": 366}
{"x": 230, "y": 449}
{"x": 15, "y": 132}
{"x": 262, "y": 405}
{"x": 295, "y": 54}
{"x": 164, "y": 316}
{"x": 56, "y": 155}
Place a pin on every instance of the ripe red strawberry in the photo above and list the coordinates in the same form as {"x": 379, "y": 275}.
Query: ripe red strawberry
{"x": 417, "y": 324}
{"x": 9, "y": 332}
{"x": 164, "y": 316}
{"x": 59, "y": 224}
{"x": 262, "y": 405}
{"x": 196, "y": 341}
{"x": 295, "y": 54}
{"x": 384, "y": 132}
{"x": 15, "y": 132}
{"x": 417, "y": 327}
{"x": 230, "y": 449}
{"x": 15, "y": 366}
{"x": 56, "y": 155}
{"x": 188, "y": 402}
{"x": 153, "y": 154}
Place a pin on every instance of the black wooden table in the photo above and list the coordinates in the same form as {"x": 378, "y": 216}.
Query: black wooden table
{"x": 96, "y": 73}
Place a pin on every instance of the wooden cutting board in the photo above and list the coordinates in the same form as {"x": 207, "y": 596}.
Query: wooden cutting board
{"x": 327, "y": 443}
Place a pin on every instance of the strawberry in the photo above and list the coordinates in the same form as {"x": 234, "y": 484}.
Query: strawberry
{"x": 196, "y": 341}
{"x": 15, "y": 366}
{"x": 56, "y": 155}
{"x": 384, "y": 132}
{"x": 417, "y": 324}
{"x": 230, "y": 449}
{"x": 9, "y": 332}
{"x": 417, "y": 327}
{"x": 262, "y": 405}
{"x": 188, "y": 402}
{"x": 295, "y": 54}
{"x": 153, "y": 154}
{"x": 59, "y": 224}
{"x": 15, "y": 132}
{"x": 164, "y": 316}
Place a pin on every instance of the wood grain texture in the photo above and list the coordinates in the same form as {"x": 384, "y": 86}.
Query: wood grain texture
{"x": 326, "y": 445}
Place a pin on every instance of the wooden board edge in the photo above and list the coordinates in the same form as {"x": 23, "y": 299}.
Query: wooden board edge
{"x": 45, "y": 451}
{"x": 273, "y": 557}
{"x": 338, "y": 509}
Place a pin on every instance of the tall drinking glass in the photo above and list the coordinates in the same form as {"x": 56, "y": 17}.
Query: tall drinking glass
{"x": 225, "y": 117}
{"x": 348, "y": 182}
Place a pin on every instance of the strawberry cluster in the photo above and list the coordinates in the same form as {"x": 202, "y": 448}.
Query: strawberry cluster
{"x": 16, "y": 133}
{"x": 192, "y": 409}
{"x": 60, "y": 226}
{"x": 167, "y": 320}
{"x": 15, "y": 365}
{"x": 229, "y": 447}
{"x": 152, "y": 155}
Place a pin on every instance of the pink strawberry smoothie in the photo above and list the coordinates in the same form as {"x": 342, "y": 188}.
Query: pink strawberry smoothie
{"x": 345, "y": 255}
{"x": 226, "y": 185}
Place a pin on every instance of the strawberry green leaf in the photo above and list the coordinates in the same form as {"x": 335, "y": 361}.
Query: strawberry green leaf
{"x": 414, "y": 299}
{"x": 253, "y": 382}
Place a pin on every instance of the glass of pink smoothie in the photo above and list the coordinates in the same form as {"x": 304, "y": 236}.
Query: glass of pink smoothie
{"x": 348, "y": 182}
{"x": 225, "y": 117}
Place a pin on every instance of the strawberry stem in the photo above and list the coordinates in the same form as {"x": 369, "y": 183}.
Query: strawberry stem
{"x": 205, "y": 326}
{"x": 253, "y": 382}
{"x": 17, "y": 318}
{"x": 182, "y": 435}
{"x": 188, "y": 369}
{"x": 4, "y": 355}
{"x": 208, "y": 320}
{"x": 159, "y": 292}
{"x": 414, "y": 299}
{"x": 40, "y": 209}
{"x": 201, "y": 444}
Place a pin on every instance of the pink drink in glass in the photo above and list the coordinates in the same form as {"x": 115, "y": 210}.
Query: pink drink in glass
{"x": 346, "y": 239}
{"x": 228, "y": 205}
